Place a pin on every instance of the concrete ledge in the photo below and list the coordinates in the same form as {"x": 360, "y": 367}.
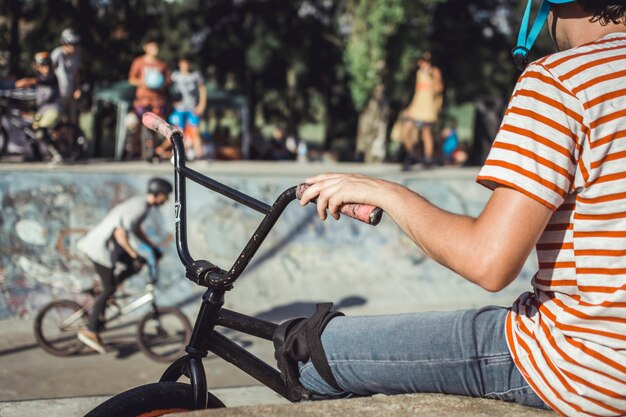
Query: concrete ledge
{"x": 415, "y": 405}
{"x": 79, "y": 406}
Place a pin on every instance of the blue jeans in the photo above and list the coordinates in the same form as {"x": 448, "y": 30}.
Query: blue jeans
{"x": 458, "y": 352}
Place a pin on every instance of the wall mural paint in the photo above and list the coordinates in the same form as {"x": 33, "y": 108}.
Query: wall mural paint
{"x": 368, "y": 270}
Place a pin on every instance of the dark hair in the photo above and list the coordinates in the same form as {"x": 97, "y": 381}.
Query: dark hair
{"x": 186, "y": 57}
{"x": 151, "y": 39}
{"x": 606, "y": 11}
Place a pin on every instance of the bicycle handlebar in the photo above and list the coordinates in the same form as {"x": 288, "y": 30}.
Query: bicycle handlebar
{"x": 154, "y": 122}
{"x": 362, "y": 212}
{"x": 203, "y": 272}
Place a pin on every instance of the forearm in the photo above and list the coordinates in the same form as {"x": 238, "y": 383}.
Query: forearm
{"x": 141, "y": 235}
{"x": 25, "y": 82}
{"x": 121, "y": 237}
{"x": 489, "y": 250}
{"x": 456, "y": 241}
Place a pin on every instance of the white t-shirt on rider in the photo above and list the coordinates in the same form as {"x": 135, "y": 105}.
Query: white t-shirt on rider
{"x": 98, "y": 245}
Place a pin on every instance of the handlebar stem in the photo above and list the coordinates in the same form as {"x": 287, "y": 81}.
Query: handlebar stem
{"x": 204, "y": 272}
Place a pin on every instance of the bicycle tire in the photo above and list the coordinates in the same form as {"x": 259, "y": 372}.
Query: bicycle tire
{"x": 168, "y": 339}
{"x": 50, "y": 332}
{"x": 152, "y": 400}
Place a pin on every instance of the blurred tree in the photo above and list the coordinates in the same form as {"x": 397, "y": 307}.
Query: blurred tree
{"x": 350, "y": 62}
{"x": 383, "y": 37}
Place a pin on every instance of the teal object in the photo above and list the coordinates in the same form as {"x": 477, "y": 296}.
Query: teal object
{"x": 525, "y": 40}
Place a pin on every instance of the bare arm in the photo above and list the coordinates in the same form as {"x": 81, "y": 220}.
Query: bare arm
{"x": 121, "y": 237}
{"x": 438, "y": 79}
{"x": 489, "y": 250}
{"x": 77, "y": 93}
{"x": 141, "y": 235}
{"x": 134, "y": 75}
{"x": 25, "y": 82}
{"x": 201, "y": 100}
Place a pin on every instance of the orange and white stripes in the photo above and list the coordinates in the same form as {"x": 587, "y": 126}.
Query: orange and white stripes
{"x": 563, "y": 143}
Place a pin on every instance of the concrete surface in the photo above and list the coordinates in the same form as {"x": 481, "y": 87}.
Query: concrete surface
{"x": 79, "y": 406}
{"x": 27, "y": 372}
{"x": 415, "y": 405}
{"x": 302, "y": 261}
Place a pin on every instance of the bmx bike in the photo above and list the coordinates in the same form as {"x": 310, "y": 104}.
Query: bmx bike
{"x": 65, "y": 137}
{"x": 169, "y": 395}
{"x": 162, "y": 332}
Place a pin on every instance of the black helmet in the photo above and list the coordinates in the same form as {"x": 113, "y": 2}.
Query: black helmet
{"x": 42, "y": 58}
{"x": 159, "y": 186}
{"x": 69, "y": 37}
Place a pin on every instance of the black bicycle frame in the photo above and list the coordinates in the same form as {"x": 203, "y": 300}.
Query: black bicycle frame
{"x": 204, "y": 337}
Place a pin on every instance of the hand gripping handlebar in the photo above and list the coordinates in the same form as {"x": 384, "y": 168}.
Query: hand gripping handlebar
{"x": 363, "y": 212}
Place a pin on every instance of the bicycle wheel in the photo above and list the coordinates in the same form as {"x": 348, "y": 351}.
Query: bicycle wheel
{"x": 57, "y": 325}
{"x": 163, "y": 335}
{"x": 152, "y": 400}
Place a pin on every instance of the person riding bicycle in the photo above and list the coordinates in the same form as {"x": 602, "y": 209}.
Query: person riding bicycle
{"x": 558, "y": 177}
{"x": 108, "y": 246}
{"x": 47, "y": 100}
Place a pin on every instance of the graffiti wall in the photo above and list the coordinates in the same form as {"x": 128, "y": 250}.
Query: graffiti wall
{"x": 361, "y": 268}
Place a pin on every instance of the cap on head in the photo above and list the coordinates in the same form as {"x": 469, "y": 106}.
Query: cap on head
{"x": 70, "y": 37}
{"x": 526, "y": 39}
{"x": 159, "y": 186}
{"x": 42, "y": 58}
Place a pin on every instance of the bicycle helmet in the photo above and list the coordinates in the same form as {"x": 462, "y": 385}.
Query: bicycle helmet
{"x": 42, "y": 58}
{"x": 159, "y": 186}
{"x": 525, "y": 39}
{"x": 69, "y": 37}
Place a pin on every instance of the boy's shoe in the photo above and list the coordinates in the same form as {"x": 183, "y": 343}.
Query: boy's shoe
{"x": 92, "y": 340}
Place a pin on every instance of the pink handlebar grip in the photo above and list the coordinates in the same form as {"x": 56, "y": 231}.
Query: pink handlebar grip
{"x": 362, "y": 212}
{"x": 154, "y": 122}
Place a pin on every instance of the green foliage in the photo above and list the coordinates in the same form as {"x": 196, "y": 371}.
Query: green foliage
{"x": 296, "y": 61}
{"x": 372, "y": 23}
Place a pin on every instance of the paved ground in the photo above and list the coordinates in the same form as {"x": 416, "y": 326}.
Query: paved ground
{"x": 27, "y": 372}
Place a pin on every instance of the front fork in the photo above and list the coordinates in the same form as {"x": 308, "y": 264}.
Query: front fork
{"x": 190, "y": 365}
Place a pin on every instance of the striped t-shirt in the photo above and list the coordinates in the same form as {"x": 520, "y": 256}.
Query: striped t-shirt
{"x": 563, "y": 143}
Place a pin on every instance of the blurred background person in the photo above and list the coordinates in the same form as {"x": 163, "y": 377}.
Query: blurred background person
{"x": 188, "y": 108}
{"x": 422, "y": 112}
{"x": 66, "y": 65}
{"x": 152, "y": 77}
{"x": 47, "y": 102}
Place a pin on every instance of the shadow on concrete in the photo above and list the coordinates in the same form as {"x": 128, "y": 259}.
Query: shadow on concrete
{"x": 18, "y": 349}
{"x": 298, "y": 309}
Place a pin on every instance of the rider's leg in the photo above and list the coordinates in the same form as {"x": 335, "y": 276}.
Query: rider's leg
{"x": 90, "y": 336}
{"x": 44, "y": 121}
{"x": 461, "y": 352}
{"x": 131, "y": 267}
{"x": 109, "y": 284}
